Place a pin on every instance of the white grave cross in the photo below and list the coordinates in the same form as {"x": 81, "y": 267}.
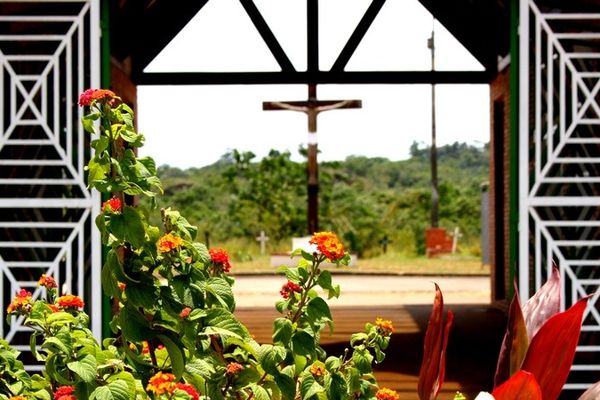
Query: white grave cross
{"x": 263, "y": 239}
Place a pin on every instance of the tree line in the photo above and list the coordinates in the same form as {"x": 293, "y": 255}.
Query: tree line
{"x": 362, "y": 199}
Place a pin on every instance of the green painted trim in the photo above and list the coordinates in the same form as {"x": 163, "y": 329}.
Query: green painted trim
{"x": 514, "y": 146}
{"x": 105, "y": 80}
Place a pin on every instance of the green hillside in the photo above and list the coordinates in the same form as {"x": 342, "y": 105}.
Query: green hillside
{"x": 362, "y": 199}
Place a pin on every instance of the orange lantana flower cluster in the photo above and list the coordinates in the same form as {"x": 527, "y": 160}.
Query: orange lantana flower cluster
{"x": 233, "y": 368}
{"x": 220, "y": 257}
{"x": 164, "y": 383}
{"x": 20, "y": 303}
{"x": 385, "y": 326}
{"x": 70, "y": 301}
{"x": 168, "y": 242}
{"x": 387, "y": 394}
{"x": 17, "y": 398}
{"x": 89, "y": 96}
{"x": 329, "y": 245}
{"x": 47, "y": 281}
{"x": 317, "y": 369}
{"x": 112, "y": 205}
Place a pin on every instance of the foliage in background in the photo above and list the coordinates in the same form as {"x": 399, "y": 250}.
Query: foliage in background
{"x": 362, "y": 199}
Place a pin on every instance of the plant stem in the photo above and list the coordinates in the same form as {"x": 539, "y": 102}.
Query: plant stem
{"x": 309, "y": 285}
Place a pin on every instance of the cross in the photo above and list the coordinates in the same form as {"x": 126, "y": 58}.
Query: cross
{"x": 262, "y": 238}
{"x": 384, "y": 243}
{"x": 455, "y": 237}
{"x": 312, "y": 107}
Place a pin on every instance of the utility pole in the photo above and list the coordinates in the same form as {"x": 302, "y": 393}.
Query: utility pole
{"x": 435, "y": 198}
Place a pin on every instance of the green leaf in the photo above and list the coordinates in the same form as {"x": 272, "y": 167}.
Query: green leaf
{"x": 141, "y": 295}
{"x": 56, "y": 345}
{"x": 110, "y": 284}
{"x": 282, "y": 331}
{"x": 117, "y": 390}
{"x": 221, "y": 291}
{"x": 199, "y": 366}
{"x": 362, "y": 360}
{"x": 129, "y": 226}
{"x": 175, "y": 354}
{"x": 134, "y": 326}
{"x": 88, "y": 121}
{"x": 270, "y": 356}
{"x": 303, "y": 343}
{"x": 225, "y": 322}
{"x": 309, "y": 386}
{"x": 324, "y": 280}
{"x": 318, "y": 310}
{"x": 260, "y": 393}
{"x": 85, "y": 368}
{"x": 287, "y": 386}
{"x": 336, "y": 386}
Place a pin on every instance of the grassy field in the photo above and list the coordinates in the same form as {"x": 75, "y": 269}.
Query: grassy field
{"x": 392, "y": 263}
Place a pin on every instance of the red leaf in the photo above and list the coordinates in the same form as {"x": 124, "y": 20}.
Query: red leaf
{"x": 521, "y": 385}
{"x": 552, "y": 349}
{"x": 593, "y": 393}
{"x": 514, "y": 345}
{"x": 431, "y": 376}
{"x": 543, "y": 304}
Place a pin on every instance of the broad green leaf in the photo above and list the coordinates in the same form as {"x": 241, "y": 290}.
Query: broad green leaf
{"x": 225, "y": 321}
{"x": 324, "y": 280}
{"x": 552, "y": 349}
{"x": 60, "y": 318}
{"x": 110, "y": 284}
{"x": 221, "y": 291}
{"x": 135, "y": 327}
{"x": 303, "y": 343}
{"x": 117, "y": 390}
{"x": 287, "y": 386}
{"x": 85, "y": 368}
{"x": 200, "y": 366}
{"x": 282, "y": 330}
{"x": 309, "y": 387}
{"x": 336, "y": 386}
{"x": 56, "y": 345}
{"x": 141, "y": 295}
{"x": 318, "y": 310}
{"x": 260, "y": 393}
{"x": 175, "y": 354}
{"x": 362, "y": 360}
{"x": 521, "y": 385}
{"x": 129, "y": 226}
{"x": 270, "y": 356}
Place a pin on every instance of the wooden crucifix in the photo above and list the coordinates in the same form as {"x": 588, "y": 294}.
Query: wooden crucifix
{"x": 312, "y": 107}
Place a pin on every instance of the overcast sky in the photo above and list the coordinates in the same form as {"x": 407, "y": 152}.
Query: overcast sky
{"x": 193, "y": 126}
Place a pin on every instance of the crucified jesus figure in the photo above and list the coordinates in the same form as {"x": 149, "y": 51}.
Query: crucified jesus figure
{"x": 312, "y": 107}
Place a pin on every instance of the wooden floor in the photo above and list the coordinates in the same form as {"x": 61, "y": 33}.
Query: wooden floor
{"x": 472, "y": 351}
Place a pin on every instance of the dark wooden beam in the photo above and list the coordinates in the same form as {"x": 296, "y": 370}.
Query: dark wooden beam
{"x": 321, "y": 77}
{"x": 357, "y": 35}
{"x": 265, "y": 32}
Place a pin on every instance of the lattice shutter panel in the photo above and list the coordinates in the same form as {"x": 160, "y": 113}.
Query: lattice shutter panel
{"x": 49, "y": 53}
{"x": 560, "y": 165}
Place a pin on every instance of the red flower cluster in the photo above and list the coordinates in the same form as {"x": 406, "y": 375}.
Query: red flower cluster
{"x": 289, "y": 288}
{"x": 221, "y": 258}
{"x": 47, "y": 281}
{"x": 121, "y": 285}
{"x": 168, "y": 242}
{"x": 185, "y": 312}
{"x": 91, "y": 95}
{"x": 20, "y": 303}
{"x": 233, "y": 368}
{"x": 162, "y": 383}
{"x": 384, "y": 326}
{"x": 70, "y": 301}
{"x": 65, "y": 393}
{"x": 189, "y": 389}
{"x": 329, "y": 245}
{"x": 387, "y": 394}
{"x": 112, "y": 205}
